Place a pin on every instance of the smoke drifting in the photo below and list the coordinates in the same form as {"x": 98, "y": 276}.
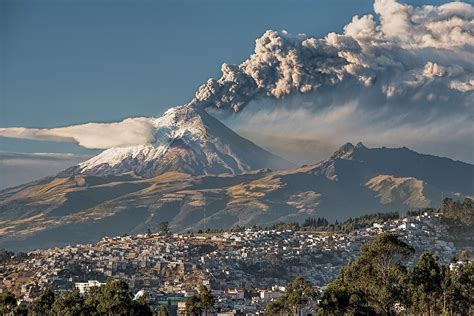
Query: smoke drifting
{"x": 414, "y": 54}
{"x": 407, "y": 80}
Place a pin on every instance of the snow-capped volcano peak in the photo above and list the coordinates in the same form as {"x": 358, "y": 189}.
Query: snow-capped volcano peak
{"x": 175, "y": 123}
{"x": 185, "y": 139}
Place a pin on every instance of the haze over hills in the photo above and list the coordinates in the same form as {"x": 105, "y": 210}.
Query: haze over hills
{"x": 81, "y": 207}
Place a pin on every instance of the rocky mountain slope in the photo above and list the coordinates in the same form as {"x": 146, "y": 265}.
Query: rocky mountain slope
{"x": 186, "y": 139}
{"x": 355, "y": 180}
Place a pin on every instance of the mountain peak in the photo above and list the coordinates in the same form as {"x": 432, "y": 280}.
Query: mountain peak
{"x": 185, "y": 139}
{"x": 346, "y": 151}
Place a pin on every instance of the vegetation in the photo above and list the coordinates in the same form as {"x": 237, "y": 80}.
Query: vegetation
{"x": 10, "y": 257}
{"x": 378, "y": 283}
{"x": 113, "y": 298}
{"x": 313, "y": 222}
{"x": 351, "y": 224}
{"x": 299, "y": 293}
{"x": 163, "y": 310}
{"x": 8, "y": 303}
{"x": 200, "y": 303}
{"x": 459, "y": 212}
{"x": 164, "y": 228}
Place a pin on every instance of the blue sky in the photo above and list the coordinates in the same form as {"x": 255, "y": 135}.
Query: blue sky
{"x": 67, "y": 62}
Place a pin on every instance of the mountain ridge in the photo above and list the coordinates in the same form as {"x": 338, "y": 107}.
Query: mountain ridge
{"x": 82, "y": 208}
{"x": 186, "y": 139}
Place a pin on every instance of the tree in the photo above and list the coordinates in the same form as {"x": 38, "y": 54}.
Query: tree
{"x": 91, "y": 300}
{"x": 299, "y": 294}
{"x": 463, "y": 287}
{"x": 373, "y": 283}
{"x": 7, "y": 303}
{"x": 164, "y": 310}
{"x": 70, "y": 304}
{"x": 336, "y": 299}
{"x": 462, "y": 212}
{"x": 43, "y": 303}
{"x": 193, "y": 306}
{"x": 207, "y": 299}
{"x": 114, "y": 298}
{"x": 425, "y": 284}
{"x": 277, "y": 307}
{"x": 164, "y": 228}
{"x": 21, "y": 310}
{"x": 377, "y": 283}
{"x": 140, "y": 306}
{"x": 202, "y": 302}
{"x": 6, "y": 256}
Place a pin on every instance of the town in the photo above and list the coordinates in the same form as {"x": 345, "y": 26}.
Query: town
{"x": 245, "y": 269}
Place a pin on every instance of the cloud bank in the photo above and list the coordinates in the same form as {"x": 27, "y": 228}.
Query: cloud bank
{"x": 129, "y": 132}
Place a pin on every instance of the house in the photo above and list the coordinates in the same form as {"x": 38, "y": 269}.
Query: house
{"x": 83, "y": 287}
{"x": 235, "y": 294}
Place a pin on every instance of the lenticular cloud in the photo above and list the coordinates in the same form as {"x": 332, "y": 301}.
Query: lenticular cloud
{"x": 413, "y": 54}
{"x": 129, "y": 132}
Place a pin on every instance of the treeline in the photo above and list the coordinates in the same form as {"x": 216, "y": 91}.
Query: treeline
{"x": 319, "y": 224}
{"x": 7, "y": 256}
{"x": 316, "y": 224}
{"x": 379, "y": 283}
{"x": 113, "y": 298}
{"x": 460, "y": 212}
{"x": 351, "y": 224}
{"x": 457, "y": 211}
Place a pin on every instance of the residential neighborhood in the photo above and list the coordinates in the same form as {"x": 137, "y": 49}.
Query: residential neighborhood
{"x": 244, "y": 269}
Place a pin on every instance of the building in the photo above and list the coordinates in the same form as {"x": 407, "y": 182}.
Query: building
{"x": 83, "y": 287}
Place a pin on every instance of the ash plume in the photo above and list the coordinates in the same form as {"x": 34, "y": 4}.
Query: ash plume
{"x": 417, "y": 53}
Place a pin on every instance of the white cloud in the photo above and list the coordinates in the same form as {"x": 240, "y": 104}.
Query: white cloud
{"x": 131, "y": 131}
{"x": 463, "y": 86}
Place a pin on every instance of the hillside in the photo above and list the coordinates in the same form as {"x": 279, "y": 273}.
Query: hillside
{"x": 355, "y": 180}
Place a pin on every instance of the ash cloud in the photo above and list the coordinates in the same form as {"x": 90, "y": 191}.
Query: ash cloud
{"x": 410, "y": 55}
{"x": 407, "y": 80}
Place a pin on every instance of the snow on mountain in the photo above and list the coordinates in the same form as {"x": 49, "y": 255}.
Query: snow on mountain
{"x": 186, "y": 139}
{"x": 355, "y": 180}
